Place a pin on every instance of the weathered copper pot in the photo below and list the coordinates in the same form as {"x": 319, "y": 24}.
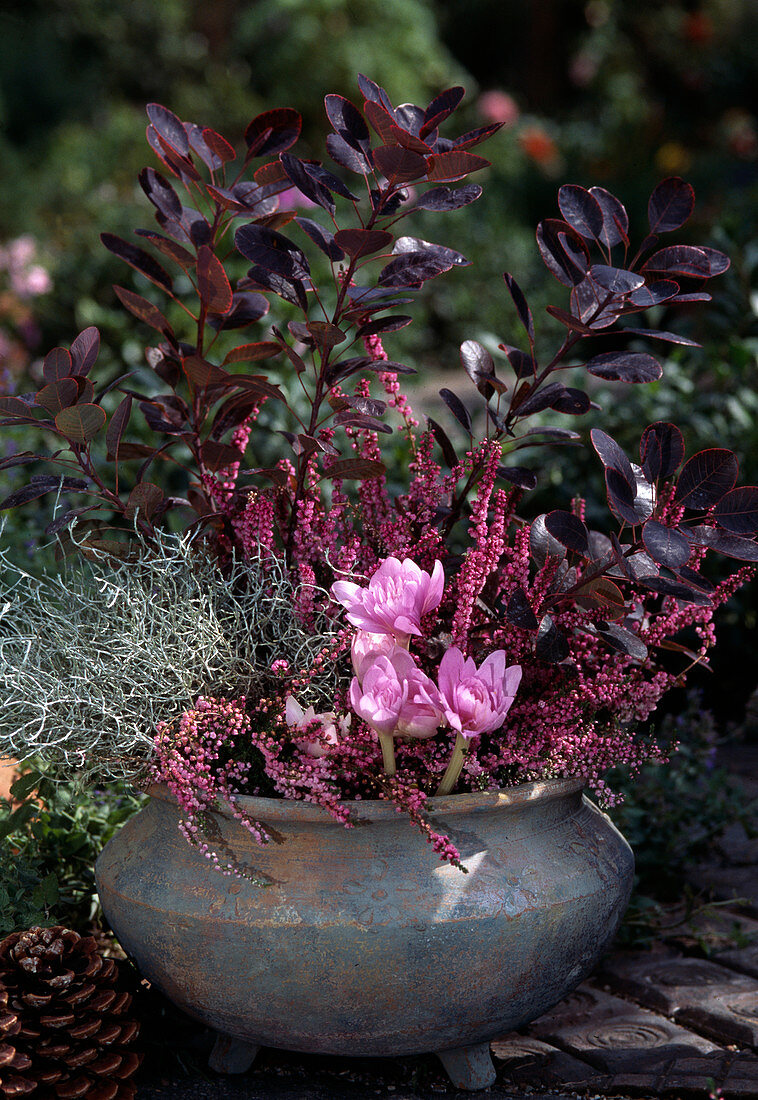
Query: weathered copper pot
{"x": 364, "y": 943}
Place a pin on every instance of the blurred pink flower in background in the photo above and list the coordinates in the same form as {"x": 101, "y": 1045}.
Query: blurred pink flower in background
{"x": 497, "y": 106}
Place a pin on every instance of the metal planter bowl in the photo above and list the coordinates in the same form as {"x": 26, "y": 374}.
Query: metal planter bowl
{"x": 363, "y": 942}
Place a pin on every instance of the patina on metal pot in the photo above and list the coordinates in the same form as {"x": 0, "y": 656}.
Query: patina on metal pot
{"x": 363, "y": 942}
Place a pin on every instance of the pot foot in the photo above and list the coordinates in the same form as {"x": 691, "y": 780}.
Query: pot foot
{"x": 230, "y": 1055}
{"x": 469, "y": 1068}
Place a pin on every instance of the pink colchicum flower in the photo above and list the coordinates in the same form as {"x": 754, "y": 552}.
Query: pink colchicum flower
{"x": 398, "y": 596}
{"x": 366, "y": 647}
{"x": 476, "y": 701}
{"x": 330, "y": 728}
{"x": 396, "y": 697}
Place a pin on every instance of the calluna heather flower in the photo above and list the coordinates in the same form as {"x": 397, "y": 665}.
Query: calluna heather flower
{"x": 398, "y": 596}
{"x": 476, "y": 701}
{"x": 329, "y": 729}
{"x": 396, "y": 697}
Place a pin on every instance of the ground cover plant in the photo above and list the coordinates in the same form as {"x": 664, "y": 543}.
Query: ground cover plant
{"x": 403, "y": 641}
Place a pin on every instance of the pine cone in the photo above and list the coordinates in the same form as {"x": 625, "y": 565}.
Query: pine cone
{"x": 63, "y": 1028}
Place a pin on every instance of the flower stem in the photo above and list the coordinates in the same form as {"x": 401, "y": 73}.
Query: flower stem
{"x": 450, "y": 778}
{"x": 388, "y": 753}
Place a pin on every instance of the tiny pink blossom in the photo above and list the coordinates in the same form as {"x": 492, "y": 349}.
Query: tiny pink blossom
{"x": 397, "y": 697}
{"x": 367, "y": 647}
{"x": 319, "y": 742}
{"x": 398, "y": 596}
{"x": 476, "y": 701}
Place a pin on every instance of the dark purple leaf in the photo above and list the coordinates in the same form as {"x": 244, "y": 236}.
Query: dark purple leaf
{"x": 659, "y": 334}
{"x": 552, "y": 237}
{"x": 246, "y": 308}
{"x": 581, "y": 210}
{"x": 666, "y": 545}
{"x": 405, "y": 245}
{"x": 622, "y": 640}
{"x": 305, "y": 183}
{"x": 160, "y": 192}
{"x": 719, "y": 261}
{"x": 696, "y": 579}
{"x": 520, "y": 612}
{"x": 521, "y": 476}
{"x": 449, "y": 198}
{"x": 664, "y": 586}
{"x": 116, "y": 427}
{"x": 270, "y": 250}
{"x": 327, "y": 179}
{"x": 324, "y": 238}
{"x": 21, "y": 459}
{"x": 212, "y": 282}
{"x": 273, "y": 131}
{"x": 706, "y": 478}
{"x": 569, "y": 530}
{"x": 142, "y": 309}
{"x": 620, "y": 497}
{"x": 617, "y": 280}
{"x": 457, "y": 408}
{"x": 519, "y": 301}
{"x": 572, "y": 401}
{"x": 374, "y": 93}
{"x": 661, "y": 450}
{"x": 670, "y": 205}
{"x": 447, "y": 448}
{"x": 383, "y": 324}
{"x": 737, "y": 511}
{"x": 542, "y": 545}
{"x": 653, "y": 294}
{"x": 680, "y": 259}
{"x": 523, "y": 365}
{"x": 620, "y": 366}
{"x": 601, "y": 593}
{"x": 452, "y": 166}
{"x": 441, "y": 107}
{"x": 363, "y": 242}
{"x": 593, "y": 306}
{"x": 732, "y": 546}
{"x": 138, "y": 259}
{"x": 346, "y": 156}
{"x": 615, "y": 218}
{"x": 348, "y": 122}
{"x": 84, "y": 351}
{"x": 479, "y": 366}
{"x": 537, "y": 399}
{"x": 412, "y": 269}
{"x": 474, "y": 137}
{"x": 551, "y": 645}
{"x": 698, "y": 296}
{"x": 569, "y": 321}
{"x": 399, "y": 165}
{"x": 169, "y": 127}
{"x": 58, "y": 395}
{"x": 57, "y": 365}
{"x": 612, "y": 457}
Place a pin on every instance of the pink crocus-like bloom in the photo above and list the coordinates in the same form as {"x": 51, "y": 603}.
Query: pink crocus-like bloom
{"x": 329, "y": 729}
{"x": 398, "y": 596}
{"x": 475, "y": 700}
{"x": 367, "y": 647}
{"x": 396, "y": 697}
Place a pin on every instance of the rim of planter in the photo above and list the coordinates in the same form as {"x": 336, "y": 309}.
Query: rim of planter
{"x": 293, "y": 811}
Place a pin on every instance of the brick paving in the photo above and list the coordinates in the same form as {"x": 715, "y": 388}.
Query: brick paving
{"x": 667, "y": 1022}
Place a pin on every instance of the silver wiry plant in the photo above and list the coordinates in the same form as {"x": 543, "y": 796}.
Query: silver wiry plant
{"x": 92, "y": 658}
